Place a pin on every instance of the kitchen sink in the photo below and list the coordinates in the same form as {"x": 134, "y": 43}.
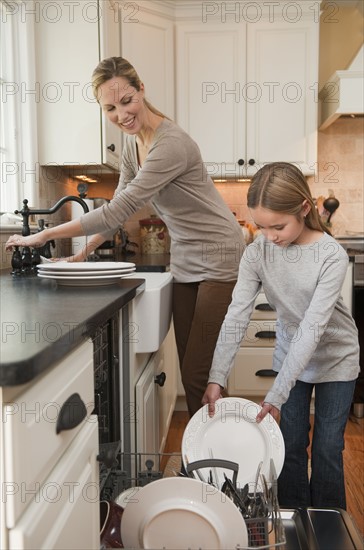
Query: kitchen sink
{"x": 152, "y": 311}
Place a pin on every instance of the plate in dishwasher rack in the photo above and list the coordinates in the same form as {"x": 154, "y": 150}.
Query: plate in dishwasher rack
{"x": 177, "y": 513}
{"x": 233, "y": 434}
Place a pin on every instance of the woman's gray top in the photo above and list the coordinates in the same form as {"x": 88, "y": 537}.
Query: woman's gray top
{"x": 206, "y": 240}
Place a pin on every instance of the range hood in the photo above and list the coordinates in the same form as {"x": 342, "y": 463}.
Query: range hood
{"x": 343, "y": 93}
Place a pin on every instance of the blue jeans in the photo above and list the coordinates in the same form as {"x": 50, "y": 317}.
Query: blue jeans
{"x": 326, "y": 487}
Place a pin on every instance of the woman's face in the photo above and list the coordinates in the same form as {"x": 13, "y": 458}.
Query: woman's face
{"x": 122, "y": 104}
{"x": 279, "y": 228}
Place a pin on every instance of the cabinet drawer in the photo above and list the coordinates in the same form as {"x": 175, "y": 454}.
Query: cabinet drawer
{"x": 33, "y": 445}
{"x": 65, "y": 512}
{"x": 262, "y": 309}
{"x": 243, "y": 379}
{"x": 260, "y": 333}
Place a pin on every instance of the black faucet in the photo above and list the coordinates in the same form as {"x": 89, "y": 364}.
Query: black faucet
{"x": 26, "y": 211}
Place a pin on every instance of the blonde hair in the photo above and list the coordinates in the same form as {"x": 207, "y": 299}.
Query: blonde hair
{"x": 118, "y": 66}
{"x": 281, "y": 187}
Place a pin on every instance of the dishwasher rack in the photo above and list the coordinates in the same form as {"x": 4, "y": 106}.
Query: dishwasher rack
{"x": 263, "y": 532}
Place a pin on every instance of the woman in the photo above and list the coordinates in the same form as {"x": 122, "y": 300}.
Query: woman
{"x": 301, "y": 268}
{"x": 162, "y": 164}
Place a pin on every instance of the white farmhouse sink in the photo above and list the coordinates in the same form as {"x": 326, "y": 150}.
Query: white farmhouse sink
{"x": 151, "y": 311}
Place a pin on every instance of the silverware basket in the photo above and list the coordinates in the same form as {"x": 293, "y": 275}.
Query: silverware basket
{"x": 139, "y": 469}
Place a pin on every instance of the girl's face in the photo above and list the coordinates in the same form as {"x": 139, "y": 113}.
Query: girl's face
{"x": 280, "y": 228}
{"x": 122, "y": 104}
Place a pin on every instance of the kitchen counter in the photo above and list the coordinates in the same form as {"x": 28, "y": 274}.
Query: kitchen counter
{"x": 42, "y": 321}
{"x": 147, "y": 262}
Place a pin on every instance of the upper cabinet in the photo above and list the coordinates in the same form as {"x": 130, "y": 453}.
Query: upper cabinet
{"x": 147, "y": 42}
{"x": 71, "y": 38}
{"x": 247, "y": 85}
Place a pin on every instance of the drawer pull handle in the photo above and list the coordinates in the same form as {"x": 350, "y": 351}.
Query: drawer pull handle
{"x": 265, "y": 334}
{"x": 268, "y": 373}
{"x": 72, "y": 412}
{"x": 160, "y": 379}
{"x": 264, "y": 307}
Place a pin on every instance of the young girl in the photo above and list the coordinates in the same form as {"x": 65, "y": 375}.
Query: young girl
{"x": 301, "y": 268}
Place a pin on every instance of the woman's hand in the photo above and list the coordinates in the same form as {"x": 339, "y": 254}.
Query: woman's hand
{"x": 212, "y": 394}
{"x": 33, "y": 241}
{"x": 268, "y": 408}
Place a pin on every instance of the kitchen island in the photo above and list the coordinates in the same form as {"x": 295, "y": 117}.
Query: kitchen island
{"x": 59, "y": 367}
{"x": 42, "y": 321}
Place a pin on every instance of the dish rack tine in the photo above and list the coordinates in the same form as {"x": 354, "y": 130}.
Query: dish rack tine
{"x": 214, "y": 463}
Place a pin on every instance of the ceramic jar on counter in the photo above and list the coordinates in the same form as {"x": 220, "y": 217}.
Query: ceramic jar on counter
{"x": 154, "y": 236}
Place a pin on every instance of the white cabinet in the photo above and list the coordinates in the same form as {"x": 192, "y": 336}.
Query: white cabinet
{"x": 147, "y": 42}
{"x": 49, "y": 444}
{"x": 65, "y": 511}
{"x": 251, "y": 375}
{"x": 155, "y": 396}
{"x": 147, "y": 407}
{"x": 167, "y": 394}
{"x": 246, "y": 86}
{"x": 71, "y": 38}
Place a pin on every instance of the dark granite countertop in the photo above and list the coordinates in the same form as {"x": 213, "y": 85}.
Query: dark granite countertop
{"x": 42, "y": 321}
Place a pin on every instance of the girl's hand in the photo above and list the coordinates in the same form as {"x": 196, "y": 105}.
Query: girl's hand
{"x": 33, "y": 241}
{"x": 212, "y": 394}
{"x": 268, "y": 408}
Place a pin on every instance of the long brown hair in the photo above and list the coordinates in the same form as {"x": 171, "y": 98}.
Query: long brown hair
{"x": 281, "y": 187}
{"x": 118, "y": 66}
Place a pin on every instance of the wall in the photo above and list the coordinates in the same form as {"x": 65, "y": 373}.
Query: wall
{"x": 341, "y": 37}
{"x": 53, "y": 185}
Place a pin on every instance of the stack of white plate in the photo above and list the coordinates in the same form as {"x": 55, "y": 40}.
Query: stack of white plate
{"x": 85, "y": 273}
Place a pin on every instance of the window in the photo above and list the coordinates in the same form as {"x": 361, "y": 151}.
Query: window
{"x": 18, "y": 146}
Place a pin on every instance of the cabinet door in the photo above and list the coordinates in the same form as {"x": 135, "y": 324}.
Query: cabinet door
{"x": 243, "y": 379}
{"x": 71, "y": 37}
{"x": 167, "y": 393}
{"x": 65, "y": 511}
{"x": 147, "y": 42}
{"x": 282, "y": 70}
{"x": 147, "y": 408}
{"x": 110, "y": 46}
{"x": 67, "y": 51}
{"x": 210, "y": 106}
{"x": 32, "y": 444}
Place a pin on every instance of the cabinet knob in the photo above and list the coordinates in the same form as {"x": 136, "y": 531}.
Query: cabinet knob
{"x": 72, "y": 412}
{"x": 241, "y": 162}
{"x": 111, "y": 147}
{"x": 160, "y": 379}
{"x": 251, "y": 162}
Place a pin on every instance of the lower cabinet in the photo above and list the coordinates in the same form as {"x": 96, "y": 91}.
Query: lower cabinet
{"x": 245, "y": 378}
{"x": 65, "y": 510}
{"x": 251, "y": 376}
{"x": 49, "y": 469}
{"x": 155, "y": 397}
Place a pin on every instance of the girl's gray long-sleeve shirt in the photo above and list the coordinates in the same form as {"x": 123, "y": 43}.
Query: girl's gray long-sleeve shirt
{"x": 206, "y": 240}
{"x": 316, "y": 337}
